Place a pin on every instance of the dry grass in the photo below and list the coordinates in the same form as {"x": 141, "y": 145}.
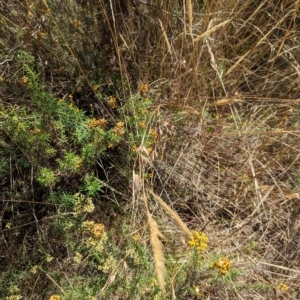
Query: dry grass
{"x": 172, "y": 213}
{"x": 157, "y": 249}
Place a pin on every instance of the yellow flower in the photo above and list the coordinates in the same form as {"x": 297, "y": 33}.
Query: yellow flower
{"x": 54, "y": 297}
{"x": 143, "y": 89}
{"x": 82, "y": 204}
{"x": 33, "y": 270}
{"x": 49, "y": 258}
{"x": 283, "y": 287}
{"x": 142, "y": 125}
{"x": 119, "y": 129}
{"x": 223, "y": 264}
{"x": 97, "y": 244}
{"x": 198, "y": 240}
{"x": 77, "y": 258}
{"x": 40, "y": 35}
{"x": 153, "y": 282}
{"x": 102, "y": 123}
{"x": 112, "y": 102}
{"x": 78, "y": 162}
{"x": 153, "y": 134}
{"x": 8, "y": 225}
{"x": 197, "y": 290}
{"x": 150, "y": 150}
{"x": 97, "y": 230}
{"x": 24, "y": 80}
{"x": 88, "y": 224}
{"x": 136, "y": 237}
{"x": 109, "y": 264}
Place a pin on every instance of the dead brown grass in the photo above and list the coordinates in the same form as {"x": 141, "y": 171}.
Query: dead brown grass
{"x": 157, "y": 249}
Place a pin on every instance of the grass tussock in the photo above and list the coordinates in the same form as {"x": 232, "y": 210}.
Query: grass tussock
{"x": 114, "y": 109}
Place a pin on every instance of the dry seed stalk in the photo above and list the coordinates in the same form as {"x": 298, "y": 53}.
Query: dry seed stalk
{"x": 190, "y": 16}
{"x": 172, "y": 213}
{"x": 157, "y": 249}
{"x": 213, "y": 29}
{"x": 165, "y": 37}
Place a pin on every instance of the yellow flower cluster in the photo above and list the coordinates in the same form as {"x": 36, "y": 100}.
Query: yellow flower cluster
{"x": 78, "y": 162}
{"x": 54, "y": 297}
{"x": 150, "y": 150}
{"x": 49, "y": 258}
{"x": 40, "y": 35}
{"x": 35, "y": 131}
{"x": 109, "y": 264}
{"x": 97, "y": 244}
{"x": 134, "y": 148}
{"x": 102, "y": 123}
{"x": 143, "y": 89}
{"x": 112, "y": 102}
{"x": 223, "y": 264}
{"x": 283, "y": 287}
{"x": 98, "y": 230}
{"x": 34, "y": 269}
{"x": 14, "y": 290}
{"x": 77, "y": 258}
{"x": 136, "y": 237}
{"x": 119, "y": 129}
{"x": 153, "y": 133}
{"x": 14, "y": 297}
{"x": 24, "y": 80}
{"x": 198, "y": 240}
{"x": 196, "y": 289}
{"x": 142, "y": 125}
{"x": 82, "y": 204}
{"x": 87, "y": 225}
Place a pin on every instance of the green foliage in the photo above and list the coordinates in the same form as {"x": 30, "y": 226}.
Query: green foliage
{"x": 92, "y": 185}
{"x": 46, "y": 177}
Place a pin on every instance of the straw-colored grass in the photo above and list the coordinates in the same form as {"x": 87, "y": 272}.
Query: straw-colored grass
{"x": 157, "y": 249}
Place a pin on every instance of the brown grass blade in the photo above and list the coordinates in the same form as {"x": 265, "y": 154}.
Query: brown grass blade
{"x": 172, "y": 213}
{"x": 189, "y": 9}
{"x": 165, "y": 37}
{"x": 157, "y": 249}
{"x": 208, "y": 32}
{"x": 258, "y": 43}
